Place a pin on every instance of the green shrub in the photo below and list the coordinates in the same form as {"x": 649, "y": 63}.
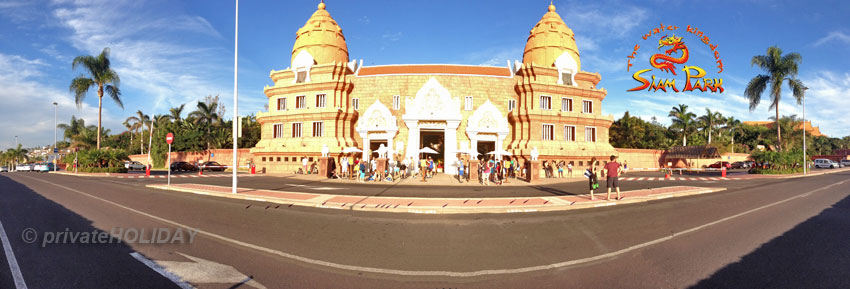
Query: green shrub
{"x": 94, "y": 158}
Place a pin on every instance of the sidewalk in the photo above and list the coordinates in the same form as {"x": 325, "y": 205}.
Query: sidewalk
{"x": 437, "y": 205}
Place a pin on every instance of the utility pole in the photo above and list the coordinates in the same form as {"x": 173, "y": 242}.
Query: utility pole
{"x": 805, "y": 160}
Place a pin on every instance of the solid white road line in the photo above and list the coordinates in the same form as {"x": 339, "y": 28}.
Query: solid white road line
{"x": 13, "y": 263}
{"x": 157, "y": 268}
{"x": 445, "y": 273}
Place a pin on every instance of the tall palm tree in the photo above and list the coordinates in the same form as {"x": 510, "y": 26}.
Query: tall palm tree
{"x": 175, "y": 112}
{"x": 140, "y": 120}
{"x": 779, "y": 69}
{"x": 683, "y": 120}
{"x": 710, "y": 120}
{"x": 129, "y": 124}
{"x": 733, "y": 125}
{"x": 206, "y": 115}
{"x": 100, "y": 75}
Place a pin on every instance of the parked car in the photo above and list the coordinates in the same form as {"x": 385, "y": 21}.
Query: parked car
{"x": 23, "y": 167}
{"x": 825, "y": 163}
{"x": 718, "y": 165}
{"x": 183, "y": 166}
{"x": 845, "y": 162}
{"x": 4, "y": 170}
{"x": 212, "y": 166}
{"x": 43, "y": 167}
{"x": 134, "y": 165}
{"x": 739, "y": 165}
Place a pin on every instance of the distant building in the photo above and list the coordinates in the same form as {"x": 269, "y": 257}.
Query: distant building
{"x": 545, "y": 102}
{"x": 810, "y": 130}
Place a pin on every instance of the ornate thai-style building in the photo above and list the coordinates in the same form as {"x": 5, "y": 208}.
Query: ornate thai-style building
{"x": 545, "y": 102}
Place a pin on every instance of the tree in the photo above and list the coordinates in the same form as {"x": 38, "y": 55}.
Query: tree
{"x": 100, "y": 75}
{"x": 207, "y": 116}
{"x": 733, "y": 125}
{"x": 140, "y": 120}
{"x": 175, "y": 112}
{"x": 779, "y": 69}
{"x": 709, "y": 121}
{"x": 683, "y": 121}
{"x": 73, "y": 128}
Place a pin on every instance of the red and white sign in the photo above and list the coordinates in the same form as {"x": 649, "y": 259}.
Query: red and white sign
{"x": 169, "y": 138}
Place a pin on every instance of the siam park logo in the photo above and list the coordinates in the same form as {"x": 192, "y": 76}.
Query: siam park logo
{"x": 673, "y": 55}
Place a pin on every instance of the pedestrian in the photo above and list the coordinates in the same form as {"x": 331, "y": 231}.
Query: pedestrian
{"x": 374, "y": 170}
{"x": 304, "y": 165}
{"x": 430, "y": 167}
{"x": 570, "y": 169}
{"x": 485, "y": 174}
{"x": 344, "y": 166}
{"x": 460, "y": 174}
{"x": 625, "y": 167}
{"x": 590, "y": 173}
{"x": 361, "y": 168}
{"x": 423, "y": 168}
{"x": 561, "y": 169}
{"x": 612, "y": 171}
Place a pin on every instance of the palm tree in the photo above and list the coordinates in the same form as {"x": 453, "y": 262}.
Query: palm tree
{"x": 73, "y": 128}
{"x": 683, "y": 120}
{"x": 710, "y": 120}
{"x": 206, "y": 115}
{"x": 779, "y": 69}
{"x": 128, "y": 124}
{"x": 140, "y": 120}
{"x": 101, "y": 75}
{"x": 733, "y": 125}
{"x": 175, "y": 112}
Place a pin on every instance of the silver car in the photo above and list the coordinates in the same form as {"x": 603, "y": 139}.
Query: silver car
{"x": 845, "y": 162}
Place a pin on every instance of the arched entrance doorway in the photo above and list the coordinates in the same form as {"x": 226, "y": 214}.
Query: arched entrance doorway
{"x": 431, "y": 114}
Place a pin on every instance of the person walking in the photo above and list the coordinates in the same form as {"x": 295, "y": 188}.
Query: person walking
{"x": 612, "y": 171}
{"x": 460, "y": 174}
{"x": 304, "y": 165}
{"x": 361, "y": 169}
{"x": 570, "y": 169}
{"x": 343, "y": 167}
{"x": 423, "y": 168}
{"x": 590, "y": 173}
{"x": 485, "y": 173}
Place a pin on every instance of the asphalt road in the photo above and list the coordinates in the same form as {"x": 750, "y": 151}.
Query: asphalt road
{"x": 758, "y": 234}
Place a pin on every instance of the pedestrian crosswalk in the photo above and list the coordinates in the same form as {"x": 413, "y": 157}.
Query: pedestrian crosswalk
{"x": 183, "y": 176}
{"x": 677, "y": 179}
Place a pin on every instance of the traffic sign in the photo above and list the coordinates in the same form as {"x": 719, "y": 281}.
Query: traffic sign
{"x": 169, "y": 138}
{"x": 55, "y": 150}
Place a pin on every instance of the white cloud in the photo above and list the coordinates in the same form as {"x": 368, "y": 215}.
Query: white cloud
{"x": 27, "y": 104}
{"x": 497, "y": 56}
{"x": 162, "y": 56}
{"x": 392, "y": 36}
{"x": 835, "y": 35}
{"x": 596, "y": 21}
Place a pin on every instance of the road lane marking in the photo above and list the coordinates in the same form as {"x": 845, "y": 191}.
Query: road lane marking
{"x": 159, "y": 269}
{"x": 640, "y": 179}
{"x": 434, "y": 273}
{"x": 13, "y": 263}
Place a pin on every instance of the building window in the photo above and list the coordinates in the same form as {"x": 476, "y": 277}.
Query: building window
{"x": 545, "y": 102}
{"x": 511, "y": 104}
{"x": 467, "y": 103}
{"x": 586, "y": 106}
{"x": 396, "y": 102}
{"x": 548, "y": 132}
{"x": 278, "y": 130}
{"x": 278, "y": 159}
{"x": 569, "y": 133}
{"x": 264, "y": 159}
{"x": 567, "y": 78}
{"x": 281, "y": 103}
{"x": 300, "y": 102}
{"x": 320, "y": 100}
{"x": 318, "y": 127}
{"x": 566, "y": 104}
{"x": 590, "y": 134}
{"x": 301, "y": 76}
{"x": 285, "y": 159}
{"x": 296, "y": 129}
{"x": 355, "y": 103}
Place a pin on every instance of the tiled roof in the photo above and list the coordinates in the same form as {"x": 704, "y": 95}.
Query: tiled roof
{"x": 435, "y": 69}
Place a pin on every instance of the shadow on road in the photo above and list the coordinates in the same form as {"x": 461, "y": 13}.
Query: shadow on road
{"x": 814, "y": 254}
{"x": 65, "y": 264}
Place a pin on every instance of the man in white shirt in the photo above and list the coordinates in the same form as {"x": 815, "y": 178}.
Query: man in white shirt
{"x": 304, "y": 164}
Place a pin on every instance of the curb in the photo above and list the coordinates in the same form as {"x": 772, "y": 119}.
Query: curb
{"x": 459, "y": 205}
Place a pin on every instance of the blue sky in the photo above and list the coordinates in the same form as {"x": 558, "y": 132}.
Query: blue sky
{"x": 174, "y": 52}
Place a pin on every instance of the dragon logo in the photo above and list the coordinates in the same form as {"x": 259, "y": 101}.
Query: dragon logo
{"x": 665, "y": 62}
{"x": 672, "y": 52}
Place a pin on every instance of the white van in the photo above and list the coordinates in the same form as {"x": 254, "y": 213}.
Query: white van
{"x": 825, "y": 163}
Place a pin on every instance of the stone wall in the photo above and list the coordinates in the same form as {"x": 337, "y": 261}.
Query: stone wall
{"x": 222, "y": 156}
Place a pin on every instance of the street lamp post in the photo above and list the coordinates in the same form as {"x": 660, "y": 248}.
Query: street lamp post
{"x": 805, "y": 160}
{"x": 56, "y": 151}
{"x": 235, "y": 98}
